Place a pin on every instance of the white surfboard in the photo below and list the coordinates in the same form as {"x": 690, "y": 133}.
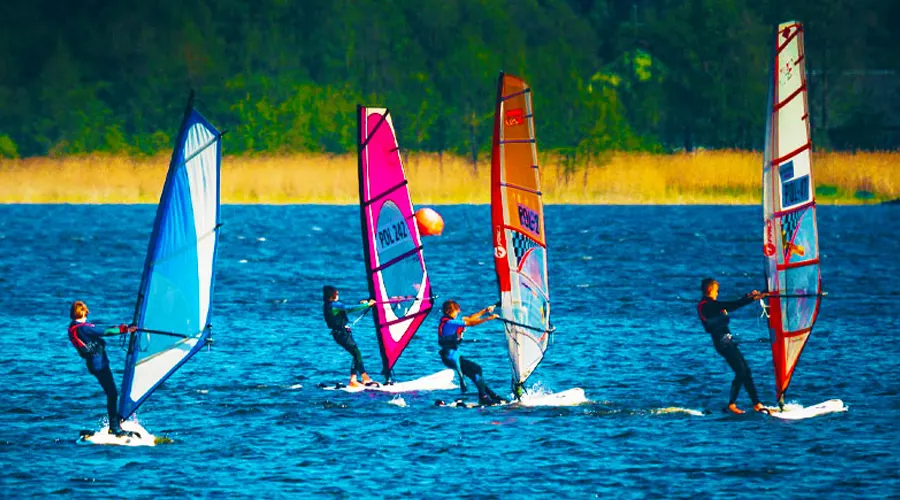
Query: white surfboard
{"x": 798, "y": 412}
{"x": 140, "y": 438}
{"x": 440, "y": 381}
{"x": 463, "y": 403}
{"x": 571, "y": 397}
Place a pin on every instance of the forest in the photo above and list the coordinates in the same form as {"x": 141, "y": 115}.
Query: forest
{"x": 284, "y": 77}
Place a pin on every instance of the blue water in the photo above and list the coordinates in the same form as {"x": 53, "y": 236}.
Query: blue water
{"x": 248, "y": 420}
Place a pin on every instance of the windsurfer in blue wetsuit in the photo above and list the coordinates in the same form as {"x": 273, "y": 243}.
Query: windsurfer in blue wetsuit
{"x": 335, "y": 313}
{"x": 88, "y": 341}
{"x": 450, "y": 334}
{"x": 714, "y": 316}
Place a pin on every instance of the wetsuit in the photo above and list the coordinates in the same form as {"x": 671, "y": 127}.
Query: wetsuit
{"x": 449, "y": 337}
{"x": 336, "y": 319}
{"x": 88, "y": 341}
{"x": 714, "y": 316}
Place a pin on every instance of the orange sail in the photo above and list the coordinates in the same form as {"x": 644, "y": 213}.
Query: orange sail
{"x": 518, "y": 233}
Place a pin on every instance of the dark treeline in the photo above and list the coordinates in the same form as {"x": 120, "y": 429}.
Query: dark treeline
{"x": 285, "y": 76}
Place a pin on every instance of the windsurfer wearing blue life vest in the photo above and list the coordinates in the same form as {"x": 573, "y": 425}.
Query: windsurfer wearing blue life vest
{"x": 335, "y": 313}
{"x": 714, "y": 316}
{"x": 450, "y": 334}
{"x": 88, "y": 341}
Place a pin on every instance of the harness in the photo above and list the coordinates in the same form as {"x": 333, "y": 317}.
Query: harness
{"x": 716, "y": 326}
{"x": 700, "y": 311}
{"x": 85, "y": 349}
{"x": 449, "y": 339}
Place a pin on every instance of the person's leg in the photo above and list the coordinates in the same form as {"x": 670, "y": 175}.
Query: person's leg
{"x": 450, "y": 359}
{"x": 345, "y": 340}
{"x": 105, "y": 377}
{"x": 473, "y": 371}
{"x": 748, "y": 379}
{"x": 733, "y": 356}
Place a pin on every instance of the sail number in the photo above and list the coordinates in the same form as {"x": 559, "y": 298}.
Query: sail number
{"x": 529, "y": 219}
{"x": 393, "y": 234}
{"x": 795, "y": 191}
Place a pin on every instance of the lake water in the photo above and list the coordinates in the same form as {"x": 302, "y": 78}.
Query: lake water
{"x": 247, "y": 418}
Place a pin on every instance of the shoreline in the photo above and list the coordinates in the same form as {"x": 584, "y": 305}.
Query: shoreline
{"x": 829, "y": 203}
{"x": 698, "y": 178}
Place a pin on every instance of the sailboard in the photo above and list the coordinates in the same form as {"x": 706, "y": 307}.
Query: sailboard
{"x": 440, "y": 381}
{"x": 395, "y": 263}
{"x": 518, "y": 232}
{"x": 137, "y": 436}
{"x": 790, "y": 234}
{"x": 174, "y": 303}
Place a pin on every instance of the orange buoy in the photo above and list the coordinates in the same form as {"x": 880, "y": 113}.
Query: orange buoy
{"x": 429, "y": 222}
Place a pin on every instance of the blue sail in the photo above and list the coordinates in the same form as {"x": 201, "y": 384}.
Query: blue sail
{"x": 174, "y": 303}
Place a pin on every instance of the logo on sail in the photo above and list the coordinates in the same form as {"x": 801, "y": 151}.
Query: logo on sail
{"x": 514, "y": 117}
{"x": 499, "y": 250}
{"x": 769, "y": 248}
{"x": 529, "y": 220}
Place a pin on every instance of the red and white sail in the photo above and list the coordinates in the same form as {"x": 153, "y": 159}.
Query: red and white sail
{"x": 790, "y": 234}
{"x": 518, "y": 232}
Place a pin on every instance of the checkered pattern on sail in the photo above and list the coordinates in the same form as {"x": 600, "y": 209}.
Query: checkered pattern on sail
{"x": 521, "y": 244}
{"x": 789, "y": 223}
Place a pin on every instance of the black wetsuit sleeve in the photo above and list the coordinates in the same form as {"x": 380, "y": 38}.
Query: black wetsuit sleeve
{"x": 88, "y": 332}
{"x": 731, "y": 305}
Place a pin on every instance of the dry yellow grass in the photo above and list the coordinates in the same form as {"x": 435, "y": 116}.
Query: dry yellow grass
{"x": 714, "y": 177}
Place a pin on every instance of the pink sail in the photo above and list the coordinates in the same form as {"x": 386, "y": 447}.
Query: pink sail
{"x": 395, "y": 266}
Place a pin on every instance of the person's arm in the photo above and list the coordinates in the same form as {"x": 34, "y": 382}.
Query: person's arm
{"x": 94, "y": 333}
{"x": 732, "y": 305}
{"x": 479, "y": 318}
{"x": 365, "y": 304}
{"x": 115, "y": 331}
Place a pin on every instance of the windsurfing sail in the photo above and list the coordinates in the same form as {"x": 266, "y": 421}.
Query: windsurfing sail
{"x": 174, "y": 303}
{"x": 395, "y": 266}
{"x": 790, "y": 237}
{"x": 519, "y": 239}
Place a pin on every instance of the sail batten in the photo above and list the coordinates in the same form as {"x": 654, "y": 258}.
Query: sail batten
{"x": 395, "y": 263}
{"x": 517, "y": 220}
{"x": 174, "y": 305}
{"x": 790, "y": 232}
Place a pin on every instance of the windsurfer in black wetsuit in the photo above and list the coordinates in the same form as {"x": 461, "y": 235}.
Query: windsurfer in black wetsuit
{"x": 335, "y": 313}
{"x": 714, "y": 316}
{"x": 88, "y": 341}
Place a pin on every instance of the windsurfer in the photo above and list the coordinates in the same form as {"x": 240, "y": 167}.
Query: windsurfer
{"x": 335, "y": 313}
{"x": 714, "y": 316}
{"x": 88, "y": 341}
{"x": 450, "y": 333}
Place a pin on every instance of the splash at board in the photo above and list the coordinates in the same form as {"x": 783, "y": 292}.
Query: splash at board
{"x": 533, "y": 398}
{"x": 137, "y": 436}
{"x": 798, "y": 412}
